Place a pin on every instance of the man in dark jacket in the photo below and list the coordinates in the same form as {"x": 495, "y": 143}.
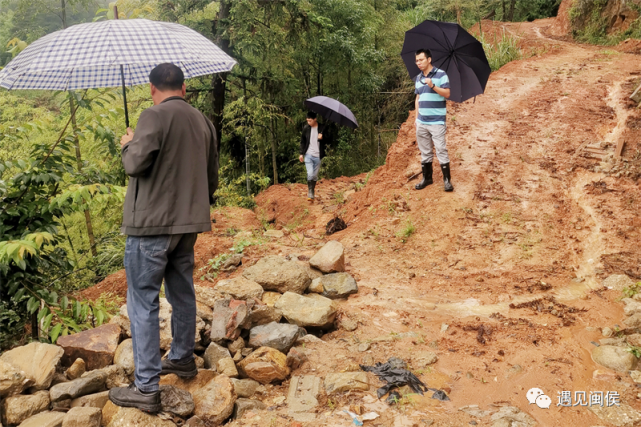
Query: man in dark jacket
{"x": 312, "y": 150}
{"x": 172, "y": 161}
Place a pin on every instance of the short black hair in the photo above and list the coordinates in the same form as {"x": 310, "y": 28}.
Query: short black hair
{"x": 167, "y": 77}
{"x": 427, "y": 53}
{"x": 311, "y": 115}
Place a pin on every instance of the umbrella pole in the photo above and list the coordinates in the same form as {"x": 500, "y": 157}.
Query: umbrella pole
{"x": 122, "y": 78}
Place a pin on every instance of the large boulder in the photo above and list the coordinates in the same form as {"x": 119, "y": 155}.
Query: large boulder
{"x": 116, "y": 376}
{"x": 207, "y": 296}
{"x": 124, "y": 356}
{"x": 44, "y": 419}
{"x": 275, "y": 273}
{"x": 91, "y": 383}
{"x": 614, "y": 357}
{"x": 95, "y": 346}
{"x": 83, "y": 417}
{"x": 240, "y": 288}
{"x": 226, "y": 366}
{"x": 38, "y": 361}
{"x": 115, "y": 416}
{"x": 261, "y": 314}
{"x": 215, "y": 400}
{"x": 247, "y": 405}
{"x": 313, "y": 310}
{"x": 191, "y": 384}
{"x": 338, "y": 285}
{"x": 213, "y": 354}
{"x": 16, "y": 409}
{"x": 96, "y": 400}
{"x": 330, "y": 258}
{"x": 12, "y": 380}
{"x": 265, "y": 365}
{"x": 246, "y": 387}
{"x": 280, "y": 336}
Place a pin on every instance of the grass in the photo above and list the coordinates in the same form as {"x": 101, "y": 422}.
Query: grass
{"x": 630, "y": 291}
{"x": 501, "y": 51}
{"x": 405, "y": 233}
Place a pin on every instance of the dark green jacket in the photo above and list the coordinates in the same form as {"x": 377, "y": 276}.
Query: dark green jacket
{"x": 173, "y": 164}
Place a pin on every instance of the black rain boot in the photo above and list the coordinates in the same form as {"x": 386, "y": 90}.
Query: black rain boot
{"x": 310, "y": 192}
{"x": 447, "y": 179}
{"x": 313, "y": 190}
{"x": 427, "y": 176}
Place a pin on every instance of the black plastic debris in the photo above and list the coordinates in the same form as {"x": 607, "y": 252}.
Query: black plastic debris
{"x": 334, "y": 225}
{"x": 395, "y": 376}
{"x": 393, "y": 398}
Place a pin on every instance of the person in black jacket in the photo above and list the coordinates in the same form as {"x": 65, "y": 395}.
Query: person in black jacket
{"x": 312, "y": 150}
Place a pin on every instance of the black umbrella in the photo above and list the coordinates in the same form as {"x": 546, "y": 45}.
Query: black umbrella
{"x": 454, "y": 51}
{"x": 332, "y": 110}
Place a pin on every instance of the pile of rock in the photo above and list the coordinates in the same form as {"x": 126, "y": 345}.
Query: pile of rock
{"x": 246, "y": 331}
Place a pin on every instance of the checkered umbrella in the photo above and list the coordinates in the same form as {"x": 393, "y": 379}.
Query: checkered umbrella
{"x": 112, "y": 53}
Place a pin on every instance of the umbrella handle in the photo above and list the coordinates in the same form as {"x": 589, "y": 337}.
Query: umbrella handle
{"x": 122, "y": 78}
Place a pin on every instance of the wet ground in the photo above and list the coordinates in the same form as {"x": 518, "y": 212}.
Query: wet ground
{"x": 511, "y": 262}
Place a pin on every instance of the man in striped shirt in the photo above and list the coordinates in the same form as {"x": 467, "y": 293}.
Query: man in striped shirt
{"x": 432, "y": 87}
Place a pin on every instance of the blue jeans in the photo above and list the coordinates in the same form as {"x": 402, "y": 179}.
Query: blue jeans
{"x": 312, "y": 164}
{"x": 149, "y": 259}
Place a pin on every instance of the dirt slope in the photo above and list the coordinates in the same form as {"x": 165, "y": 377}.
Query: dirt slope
{"x": 534, "y": 222}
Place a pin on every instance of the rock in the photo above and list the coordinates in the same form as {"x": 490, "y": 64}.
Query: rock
{"x": 204, "y": 312}
{"x": 302, "y": 397}
{"x": 513, "y": 371}
{"x": 123, "y": 322}
{"x": 634, "y": 340}
{"x": 423, "y": 360}
{"x": 58, "y": 378}
{"x": 195, "y": 421}
{"x": 313, "y": 310}
{"x": 295, "y": 358}
{"x": 330, "y": 258}
{"x": 240, "y": 288}
{"x": 632, "y": 308}
{"x": 338, "y": 285}
{"x": 337, "y": 383}
{"x": 607, "y": 332}
{"x": 347, "y": 324}
{"x": 277, "y": 234}
{"x": 263, "y": 314}
{"x": 512, "y": 416}
{"x": 229, "y": 317}
{"x": 265, "y": 365}
{"x": 280, "y": 336}
{"x": 618, "y": 282}
{"x": 124, "y": 356}
{"x": 76, "y": 369}
{"x": 309, "y": 339}
{"x": 312, "y": 273}
{"x": 232, "y": 262}
{"x": 83, "y": 417}
{"x": 95, "y": 346}
{"x": 275, "y": 273}
{"x": 38, "y": 361}
{"x": 96, "y": 400}
{"x": 316, "y": 286}
{"x": 363, "y": 347}
{"x": 636, "y": 376}
{"x": 245, "y": 388}
{"x": 207, "y": 296}
{"x": 116, "y": 376}
{"x": 604, "y": 375}
{"x": 619, "y": 342}
{"x": 200, "y": 362}
{"x": 115, "y": 416}
{"x": 227, "y": 367}
{"x": 620, "y": 416}
{"x": 213, "y": 354}
{"x": 192, "y": 384}
{"x": 475, "y": 411}
{"x": 616, "y": 358}
{"x": 397, "y": 363}
{"x": 236, "y": 346}
{"x": 93, "y": 382}
{"x": 633, "y": 321}
{"x": 215, "y": 401}
{"x": 270, "y": 298}
{"x": 12, "y": 380}
{"x": 176, "y": 401}
{"x": 247, "y": 405}
{"x": 44, "y": 419}
{"x": 16, "y": 409}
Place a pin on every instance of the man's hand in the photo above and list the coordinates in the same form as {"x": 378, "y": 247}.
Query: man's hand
{"x": 428, "y": 82}
{"x": 127, "y": 137}
{"x": 301, "y": 158}
{"x": 320, "y": 136}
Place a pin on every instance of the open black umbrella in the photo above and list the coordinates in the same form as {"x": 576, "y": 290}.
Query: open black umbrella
{"x": 332, "y": 110}
{"x": 454, "y": 51}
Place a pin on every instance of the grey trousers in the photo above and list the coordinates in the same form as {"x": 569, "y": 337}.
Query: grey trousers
{"x": 430, "y": 137}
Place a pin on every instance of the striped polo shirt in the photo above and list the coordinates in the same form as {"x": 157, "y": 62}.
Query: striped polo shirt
{"x": 431, "y": 105}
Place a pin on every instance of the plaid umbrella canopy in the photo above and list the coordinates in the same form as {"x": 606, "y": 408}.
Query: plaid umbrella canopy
{"x": 111, "y": 53}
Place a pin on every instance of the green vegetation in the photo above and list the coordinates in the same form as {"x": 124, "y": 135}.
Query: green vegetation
{"x": 630, "y": 291}
{"x": 405, "y": 233}
{"x": 501, "y": 51}
{"x": 591, "y": 25}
